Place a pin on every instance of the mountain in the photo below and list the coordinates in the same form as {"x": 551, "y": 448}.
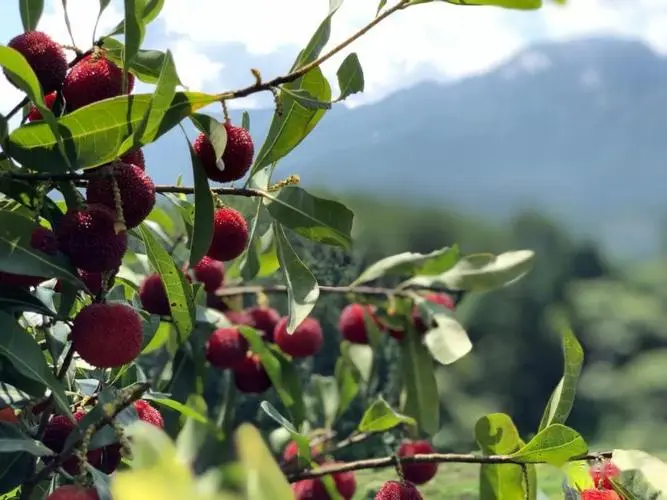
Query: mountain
{"x": 573, "y": 128}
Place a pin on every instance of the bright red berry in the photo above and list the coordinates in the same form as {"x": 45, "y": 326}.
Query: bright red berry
{"x": 250, "y": 376}
{"x": 435, "y": 298}
{"x": 88, "y": 238}
{"x": 209, "y": 272}
{"x": 602, "y": 472}
{"x": 352, "y": 324}
{"x": 599, "y": 495}
{"x": 45, "y": 57}
{"x": 34, "y": 113}
{"x": 230, "y": 234}
{"x": 291, "y": 451}
{"x": 394, "y": 490}
{"x": 137, "y": 192}
{"x": 263, "y": 319}
{"x": 73, "y": 492}
{"x": 417, "y": 473}
{"x": 226, "y": 347}
{"x": 107, "y": 335}
{"x": 314, "y": 489}
{"x": 43, "y": 240}
{"x": 94, "y": 78}
{"x": 153, "y": 295}
{"x": 306, "y": 340}
{"x": 236, "y": 158}
{"x": 135, "y": 158}
{"x": 148, "y": 414}
{"x": 55, "y": 435}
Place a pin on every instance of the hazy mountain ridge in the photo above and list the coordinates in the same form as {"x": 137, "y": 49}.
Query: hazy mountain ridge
{"x": 575, "y": 127}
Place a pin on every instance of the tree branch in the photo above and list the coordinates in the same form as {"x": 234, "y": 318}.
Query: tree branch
{"x": 391, "y": 461}
{"x": 362, "y": 290}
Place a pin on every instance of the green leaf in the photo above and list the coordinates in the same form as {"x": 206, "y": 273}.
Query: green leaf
{"x": 19, "y": 257}
{"x": 422, "y": 401}
{"x": 348, "y": 380}
{"x": 302, "y": 288}
{"x": 214, "y": 131}
{"x": 179, "y": 291}
{"x": 508, "y": 4}
{"x": 496, "y": 434}
{"x": 245, "y": 121}
{"x": 202, "y": 233}
{"x": 264, "y": 479}
{"x": 554, "y": 445}
{"x": 350, "y": 77}
{"x": 4, "y": 131}
{"x": 319, "y": 39}
{"x": 271, "y": 411}
{"x": 561, "y": 401}
{"x": 14, "y": 299}
{"x": 328, "y": 397}
{"x": 103, "y": 6}
{"x": 481, "y": 272}
{"x": 268, "y": 254}
{"x": 187, "y": 411}
{"x": 146, "y": 65}
{"x": 151, "y": 10}
{"x": 134, "y": 32}
{"x": 643, "y": 476}
{"x": 448, "y": 341}
{"x": 96, "y": 132}
{"x": 194, "y": 433}
{"x": 380, "y": 417}
{"x": 13, "y": 440}
{"x": 249, "y": 263}
{"x": 380, "y": 6}
{"x": 14, "y": 470}
{"x": 21, "y": 350}
{"x": 412, "y": 263}
{"x": 306, "y": 100}
{"x": 31, "y": 12}
{"x": 290, "y": 127}
{"x": 318, "y": 219}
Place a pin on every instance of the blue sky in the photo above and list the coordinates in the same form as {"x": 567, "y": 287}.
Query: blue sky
{"x": 216, "y": 42}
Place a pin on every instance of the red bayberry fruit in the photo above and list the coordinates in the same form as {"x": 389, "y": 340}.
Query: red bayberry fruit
{"x": 393, "y": 490}
{"x": 238, "y": 317}
{"x": 226, "y": 348}
{"x": 34, "y": 114}
{"x": 236, "y": 158}
{"x": 42, "y": 239}
{"x": 73, "y": 492}
{"x": 417, "y": 473}
{"x": 137, "y": 192}
{"x": 435, "y": 298}
{"x": 352, "y": 324}
{"x": 93, "y": 282}
{"x": 94, "y": 78}
{"x": 230, "y": 234}
{"x": 153, "y": 296}
{"x": 264, "y": 319}
{"x": 602, "y": 472}
{"x": 291, "y": 451}
{"x": 148, "y": 414}
{"x": 313, "y": 489}
{"x": 306, "y": 340}
{"x": 250, "y": 376}
{"x": 88, "y": 238}
{"x": 55, "y": 435}
{"x": 107, "y": 335}
{"x": 209, "y": 272}
{"x": 45, "y": 57}
{"x": 599, "y": 495}
{"x": 135, "y": 158}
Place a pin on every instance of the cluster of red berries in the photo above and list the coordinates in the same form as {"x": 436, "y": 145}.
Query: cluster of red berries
{"x": 602, "y": 473}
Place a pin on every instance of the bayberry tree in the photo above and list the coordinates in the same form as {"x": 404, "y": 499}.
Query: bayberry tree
{"x": 135, "y": 318}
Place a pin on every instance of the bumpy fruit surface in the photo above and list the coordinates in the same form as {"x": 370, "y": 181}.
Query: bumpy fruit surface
{"x": 314, "y": 489}
{"x": 153, "y": 295}
{"x": 352, "y": 324}
{"x": 107, "y": 335}
{"x": 137, "y": 192}
{"x": 93, "y": 79}
{"x": 148, "y": 414}
{"x": 88, "y": 238}
{"x": 601, "y": 473}
{"x": 264, "y": 319}
{"x": 599, "y": 495}
{"x": 250, "y": 376}
{"x": 417, "y": 473}
{"x": 135, "y": 158}
{"x": 45, "y": 57}
{"x": 73, "y": 492}
{"x": 226, "y": 348}
{"x": 209, "y": 272}
{"x": 394, "y": 490}
{"x": 306, "y": 340}
{"x": 55, "y": 435}
{"x": 42, "y": 239}
{"x": 93, "y": 282}
{"x": 34, "y": 113}
{"x": 230, "y": 234}
{"x": 237, "y": 156}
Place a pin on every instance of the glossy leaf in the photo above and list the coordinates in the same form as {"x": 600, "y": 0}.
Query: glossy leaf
{"x": 422, "y": 399}
{"x": 103, "y": 6}
{"x": 13, "y": 440}
{"x": 319, "y": 39}
{"x": 17, "y": 299}
{"x": 202, "y": 233}
{"x": 562, "y": 400}
{"x": 554, "y": 445}
{"x": 185, "y": 410}
{"x": 179, "y": 291}
{"x": 96, "y": 132}
{"x": 318, "y": 219}
{"x": 642, "y": 475}
{"x": 31, "y": 12}
{"x": 134, "y": 31}
{"x": 214, "y": 131}
{"x": 508, "y": 4}
{"x": 411, "y": 263}
{"x": 496, "y": 434}
{"x": 348, "y": 380}
{"x": 290, "y": 127}
{"x": 146, "y": 65}
{"x": 303, "y": 97}
{"x": 264, "y": 479}
{"x": 326, "y": 389}
{"x": 245, "y": 121}
{"x": 249, "y": 263}
{"x": 101, "y": 482}
{"x": 21, "y": 350}
{"x": 302, "y": 288}
{"x": 380, "y": 417}
{"x": 380, "y": 7}
{"x": 448, "y": 341}
{"x": 150, "y": 11}
{"x": 350, "y": 76}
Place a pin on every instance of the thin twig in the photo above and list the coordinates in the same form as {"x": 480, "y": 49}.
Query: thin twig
{"x": 391, "y": 461}
{"x": 361, "y": 290}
